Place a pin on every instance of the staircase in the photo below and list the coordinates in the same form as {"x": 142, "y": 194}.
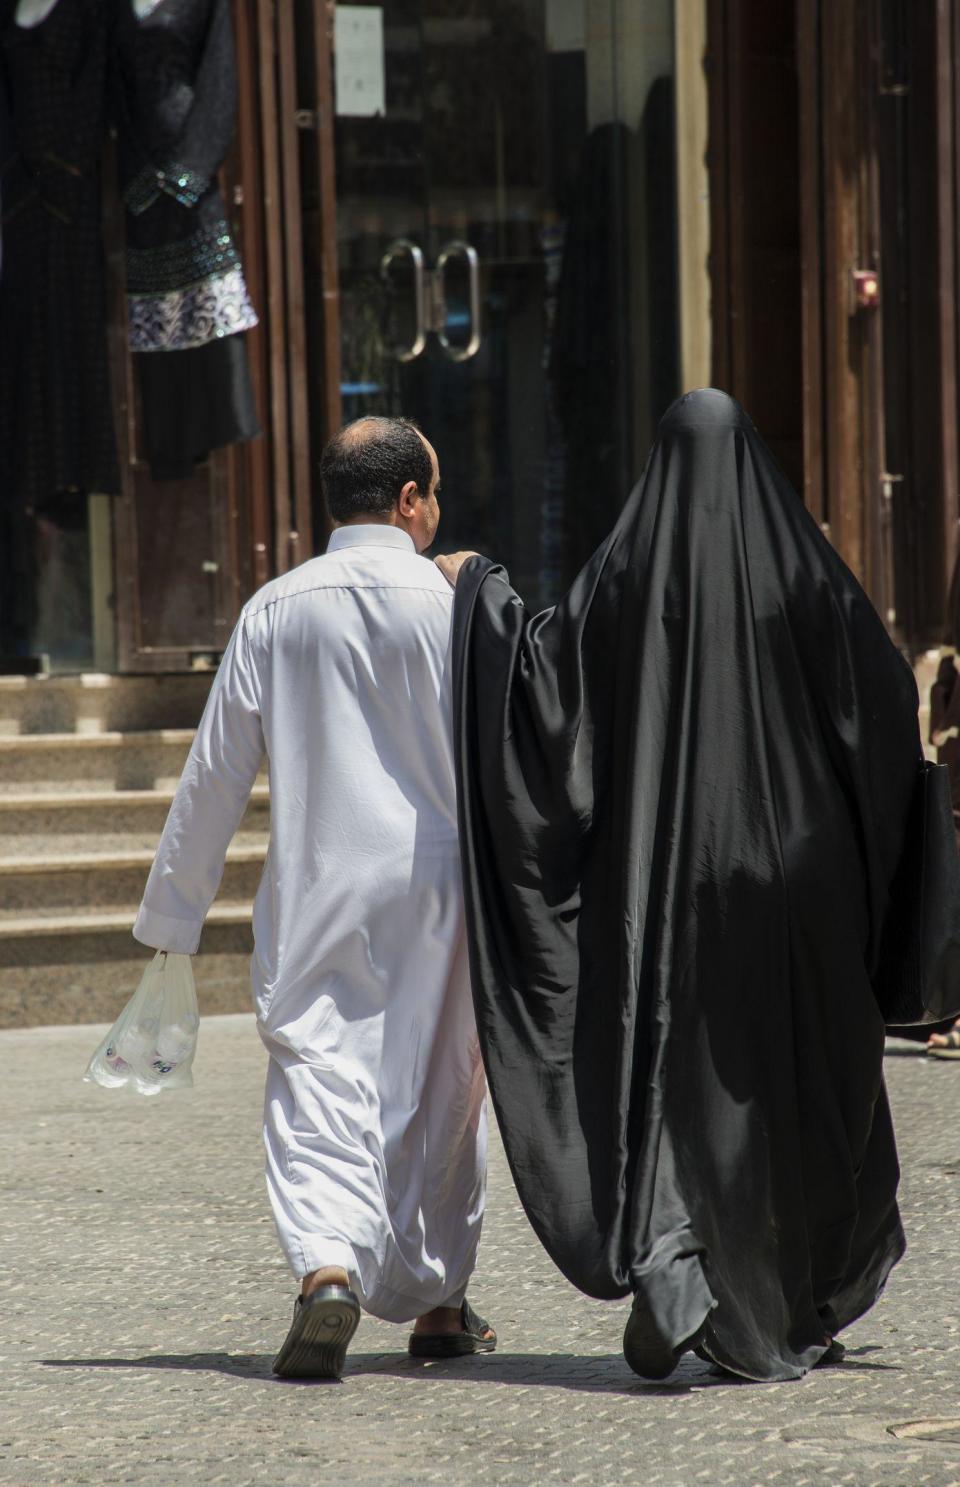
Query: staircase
{"x": 88, "y": 767}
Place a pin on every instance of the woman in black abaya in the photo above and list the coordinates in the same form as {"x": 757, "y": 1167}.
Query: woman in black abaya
{"x": 683, "y": 796}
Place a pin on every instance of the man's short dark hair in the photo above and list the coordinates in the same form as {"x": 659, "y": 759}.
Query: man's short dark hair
{"x": 366, "y": 465}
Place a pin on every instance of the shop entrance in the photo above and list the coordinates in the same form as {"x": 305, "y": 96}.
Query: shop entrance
{"x": 507, "y": 256}
{"x": 463, "y": 211}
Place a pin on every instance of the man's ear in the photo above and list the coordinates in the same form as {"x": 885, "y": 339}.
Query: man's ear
{"x": 407, "y": 499}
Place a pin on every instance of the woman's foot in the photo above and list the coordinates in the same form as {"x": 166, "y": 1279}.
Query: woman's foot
{"x": 836, "y": 1352}
{"x": 646, "y": 1349}
{"x": 945, "y": 1045}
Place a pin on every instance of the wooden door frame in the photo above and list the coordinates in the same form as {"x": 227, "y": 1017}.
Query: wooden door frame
{"x": 841, "y": 362}
{"x": 295, "y": 100}
{"x": 330, "y": 401}
{"x": 256, "y": 524}
{"x": 726, "y": 194}
{"x": 948, "y": 285}
{"x": 811, "y": 280}
{"x": 842, "y": 341}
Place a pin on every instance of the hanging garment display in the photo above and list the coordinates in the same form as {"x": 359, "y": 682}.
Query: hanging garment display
{"x": 56, "y": 423}
{"x": 187, "y": 299}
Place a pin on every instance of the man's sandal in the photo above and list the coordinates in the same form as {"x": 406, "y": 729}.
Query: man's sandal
{"x": 473, "y": 1338}
{"x": 316, "y": 1345}
{"x": 949, "y": 1048}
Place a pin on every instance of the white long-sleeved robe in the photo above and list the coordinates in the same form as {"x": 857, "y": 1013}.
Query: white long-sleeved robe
{"x": 375, "y": 1120}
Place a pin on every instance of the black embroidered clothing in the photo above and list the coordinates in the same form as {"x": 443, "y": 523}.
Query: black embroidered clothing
{"x": 176, "y": 88}
{"x": 56, "y": 422}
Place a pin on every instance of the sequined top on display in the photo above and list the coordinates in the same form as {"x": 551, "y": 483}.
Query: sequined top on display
{"x": 176, "y": 103}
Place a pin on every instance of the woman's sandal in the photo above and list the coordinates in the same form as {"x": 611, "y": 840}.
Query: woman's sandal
{"x": 646, "y": 1349}
{"x": 949, "y": 1048}
{"x": 473, "y": 1339}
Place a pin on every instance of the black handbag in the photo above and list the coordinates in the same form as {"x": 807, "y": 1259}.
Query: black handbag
{"x": 918, "y": 974}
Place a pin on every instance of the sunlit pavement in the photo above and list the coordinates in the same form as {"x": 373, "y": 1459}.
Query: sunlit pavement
{"x": 143, "y": 1298}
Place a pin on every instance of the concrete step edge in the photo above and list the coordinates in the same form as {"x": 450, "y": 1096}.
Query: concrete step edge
{"x": 115, "y": 921}
{"x": 83, "y": 682}
{"x": 52, "y": 800}
{"x": 133, "y": 738}
{"x": 69, "y": 862}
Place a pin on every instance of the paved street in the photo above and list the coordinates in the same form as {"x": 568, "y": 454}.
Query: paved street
{"x": 143, "y": 1298}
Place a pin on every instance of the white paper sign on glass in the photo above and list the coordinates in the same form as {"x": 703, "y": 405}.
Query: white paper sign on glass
{"x": 359, "y": 61}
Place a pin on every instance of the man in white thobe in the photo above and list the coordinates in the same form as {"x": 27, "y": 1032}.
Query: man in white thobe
{"x": 375, "y": 1120}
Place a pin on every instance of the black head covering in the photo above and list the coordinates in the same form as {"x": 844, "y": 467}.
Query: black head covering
{"x": 683, "y": 798}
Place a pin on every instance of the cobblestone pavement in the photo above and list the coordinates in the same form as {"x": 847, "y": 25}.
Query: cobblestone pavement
{"x": 143, "y": 1298}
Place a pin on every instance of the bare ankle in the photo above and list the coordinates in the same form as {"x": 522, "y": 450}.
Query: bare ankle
{"x": 330, "y": 1275}
{"x": 441, "y": 1319}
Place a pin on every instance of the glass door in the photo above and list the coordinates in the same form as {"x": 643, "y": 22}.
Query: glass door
{"x": 505, "y": 214}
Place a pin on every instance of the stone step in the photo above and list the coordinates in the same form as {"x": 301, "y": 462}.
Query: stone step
{"x": 62, "y": 764}
{"x": 57, "y": 822}
{"x": 83, "y": 922}
{"x": 96, "y": 703}
{"x": 50, "y": 885}
{"x": 83, "y": 966}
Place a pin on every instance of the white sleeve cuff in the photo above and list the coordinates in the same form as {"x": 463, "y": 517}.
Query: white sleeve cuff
{"x": 179, "y": 936}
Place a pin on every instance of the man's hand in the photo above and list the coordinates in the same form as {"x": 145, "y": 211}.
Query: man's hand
{"x": 450, "y": 564}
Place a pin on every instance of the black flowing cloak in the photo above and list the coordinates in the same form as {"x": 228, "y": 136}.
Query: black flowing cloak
{"x": 683, "y": 797}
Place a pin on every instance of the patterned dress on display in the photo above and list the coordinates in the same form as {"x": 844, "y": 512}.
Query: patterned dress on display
{"x": 187, "y": 299}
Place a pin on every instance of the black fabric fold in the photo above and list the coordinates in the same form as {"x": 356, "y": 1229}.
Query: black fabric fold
{"x": 683, "y": 797}
{"x": 193, "y": 402}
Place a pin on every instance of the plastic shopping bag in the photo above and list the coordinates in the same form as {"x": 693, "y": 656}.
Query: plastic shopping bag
{"x": 152, "y": 1043}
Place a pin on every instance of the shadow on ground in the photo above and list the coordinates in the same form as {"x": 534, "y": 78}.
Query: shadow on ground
{"x": 599, "y": 1373}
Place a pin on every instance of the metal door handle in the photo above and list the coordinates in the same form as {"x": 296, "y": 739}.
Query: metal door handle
{"x": 453, "y": 250}
{"x": 397, "y": 249}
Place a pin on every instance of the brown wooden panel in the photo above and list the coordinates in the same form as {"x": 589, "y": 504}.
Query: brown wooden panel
{"x": 918, "y": 158}
{"x": 755, "y": 223}
{"x": 255, "y": 522}
{"x": 299, "y": 536}
{"x": 175, "y": 538}
{"x": 876, "y": 510}
{"x": 272, "y": 206}
{"x": 852, "y": 362}
{"x": 314, "y": 21}
{"x": 329, "y": 402}
{"x": 811, "y": 259}
{"x": 716, "y": 66}
{"x": 947, "y": 104}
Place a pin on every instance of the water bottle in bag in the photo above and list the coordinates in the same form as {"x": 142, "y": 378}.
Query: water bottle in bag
{"x": 151, "y": 1045}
